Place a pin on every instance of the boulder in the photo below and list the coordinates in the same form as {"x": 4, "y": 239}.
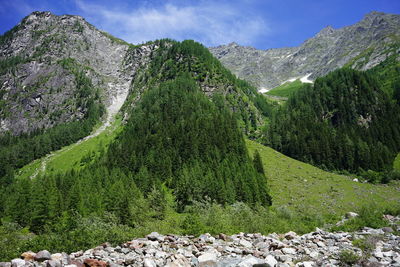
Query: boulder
{"x": 271, "y": 260}
{"x": 58, "y": 256}
{"x": 154, "y": 236}
{"x": 53, "y": 263}
{"x": 43, "y": 255}
{"x": 28, "y": 256}
{"x": 17, "y": 263}
{"x": 207, "y": 259}
{"x": 149, "y": 263}
{"x": 290, "y": 235}
{"x": 387, "y": 229}
{"x": 245, "y": 243}
{"x": 305, "y": 264}
{"x": 290, "y": 251}
{"x": 94, "y": 263}
{"x": 250, "y": 262}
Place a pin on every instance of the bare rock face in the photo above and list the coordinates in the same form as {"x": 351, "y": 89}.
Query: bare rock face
{"x": 43, "y": 59}
{"x": 362, "y": 46}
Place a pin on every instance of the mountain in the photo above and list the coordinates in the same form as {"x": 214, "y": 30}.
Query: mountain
{"x": 51, "y": 66}
{"x": 61, "y": 77}
{"x": 344, "y": 121}
{"x": 361, "y": 46}
{"x": 103, "y": 141}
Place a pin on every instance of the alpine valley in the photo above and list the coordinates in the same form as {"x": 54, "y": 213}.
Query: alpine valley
{"x": 169, "y": 153}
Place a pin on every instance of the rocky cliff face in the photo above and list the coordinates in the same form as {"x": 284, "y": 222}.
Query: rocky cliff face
{"x": 362, "y": 46}
{"x": 43, "y": 60}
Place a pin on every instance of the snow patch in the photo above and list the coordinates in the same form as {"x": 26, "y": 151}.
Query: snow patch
{"x": 263, "y": 90}
{"x": 305, "y": 79}
{"x": 289, "y": 81}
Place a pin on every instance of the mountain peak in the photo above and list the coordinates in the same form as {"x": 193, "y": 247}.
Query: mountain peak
{"x": 233, "y": 44}
{"x": 374, "y": 14}
{"x": 328, "y": 30}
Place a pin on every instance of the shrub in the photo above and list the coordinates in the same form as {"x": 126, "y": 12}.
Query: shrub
{"x": 348, "y": 257}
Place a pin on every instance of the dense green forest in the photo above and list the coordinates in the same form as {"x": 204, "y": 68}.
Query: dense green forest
{"x": 171, "y": 58}
{"x": 177, "y": 136}
{"x": 345, "y": 121}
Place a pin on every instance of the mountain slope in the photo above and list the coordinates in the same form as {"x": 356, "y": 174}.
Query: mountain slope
{"x": 302, "y": 187}
{"x": 344, "y": 121}
{"x": 364, "y": 45}
{"x": 51, "y": 65}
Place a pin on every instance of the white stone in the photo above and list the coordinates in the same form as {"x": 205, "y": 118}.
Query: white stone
{"x": 149, "y": 263}
{"x": 249, "y": 262}
{"x": 207, "y": 259}
{"x": 314, "y": 254}
{"x": 351, "y": 215}
{"x": 289, "y": 251}
{"x": 271, "y": 260}
{"x": 245, "y": 243}
{"x": 305, "y": 264}
{"x": 17, "y": 263}
{"x": 389, "y": 253}
{"x": 378, "y": 253}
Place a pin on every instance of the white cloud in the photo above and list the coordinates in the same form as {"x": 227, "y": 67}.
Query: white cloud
{"x": 207, "y": 22}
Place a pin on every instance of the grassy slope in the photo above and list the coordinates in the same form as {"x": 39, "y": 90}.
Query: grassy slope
{"x": 302, "y": 187}
{"x": 70, "y": 157}
{"x": 396, "y": 163}
{"x": 286, "y": 89}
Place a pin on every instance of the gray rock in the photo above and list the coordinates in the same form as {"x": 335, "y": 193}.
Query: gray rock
{"x": 245, "y": 243}
{"x": 207, "y": 259}
{"x": 290, "y": 235}
{"x": 154, "y": 236}
{"x": 18, "y": 263}
{"x": 5, "y": 264}
{"x": 250, "y": 261}
{"x": 305, "y": 264}
{"x": 53, "y": 263}
{"x": 149, "y": 263}
{"x": 271, "y": 260}
{"x": 387, "y": 229}
{"x": 43, "y": 255}
{"x": 314, "y": 254}
{"x": 290, "y": 251}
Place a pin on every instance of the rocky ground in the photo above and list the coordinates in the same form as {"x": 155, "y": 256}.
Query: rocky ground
{"x": 368, "y": 247}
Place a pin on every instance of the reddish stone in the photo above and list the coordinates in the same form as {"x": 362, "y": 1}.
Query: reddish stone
{"x": 28, "y": 256}
{"x": 78, "y": 263}
{"x": 95, "y": 263}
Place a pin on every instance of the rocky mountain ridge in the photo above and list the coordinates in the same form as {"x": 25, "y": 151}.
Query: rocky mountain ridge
{"x": 367, "y": 247}
{"x": 51, "y": 65}
{"x": 362, "y": 46}
{"x": 45, "y": 57}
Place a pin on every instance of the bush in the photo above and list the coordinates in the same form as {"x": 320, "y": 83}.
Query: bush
{"x": 369, "y": 216}
{"x": 348, "y": 257}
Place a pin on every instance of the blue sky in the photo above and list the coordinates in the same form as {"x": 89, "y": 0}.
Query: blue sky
{"x": 259, "y": 23}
